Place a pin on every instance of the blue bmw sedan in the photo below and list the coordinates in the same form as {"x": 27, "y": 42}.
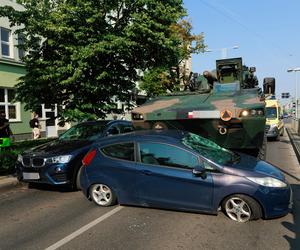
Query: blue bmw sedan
{"x": 58, "y": 162}
{"x": 184, "y": 171}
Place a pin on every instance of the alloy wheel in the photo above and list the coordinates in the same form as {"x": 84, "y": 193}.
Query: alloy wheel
{"x": 102, "y": 194}
{"x": 238, "y": 209}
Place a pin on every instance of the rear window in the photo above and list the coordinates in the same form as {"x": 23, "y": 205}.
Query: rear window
{"x": 123, "y": 151}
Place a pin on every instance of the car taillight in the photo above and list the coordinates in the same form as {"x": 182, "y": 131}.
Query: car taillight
{"x": 89, "y": 157}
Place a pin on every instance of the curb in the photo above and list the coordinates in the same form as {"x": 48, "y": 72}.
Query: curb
{"x": 295, "y": 146}
{"x": 8, "y": 182}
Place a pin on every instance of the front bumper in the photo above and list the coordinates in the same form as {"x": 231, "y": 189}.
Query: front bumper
{"x": 272, "y": 132}
{"x": 277, "y": 202}
{"x": 53, "y": 174}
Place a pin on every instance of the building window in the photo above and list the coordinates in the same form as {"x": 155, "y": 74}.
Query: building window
{"x": 21, "y": 43}
{"x": 5, "y": 37}
{"x": 12, "y": 110}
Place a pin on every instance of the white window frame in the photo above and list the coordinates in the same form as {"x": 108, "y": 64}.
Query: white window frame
{"x": 9, "y": 43}
{"x": 6, "y": 104}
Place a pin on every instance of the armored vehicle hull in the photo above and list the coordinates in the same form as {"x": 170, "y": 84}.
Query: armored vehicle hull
{"x": 234, "y": 121}
{"x": 232, "y": 114}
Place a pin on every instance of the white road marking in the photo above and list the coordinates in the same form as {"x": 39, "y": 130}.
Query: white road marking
{"x": 83, "y": 229}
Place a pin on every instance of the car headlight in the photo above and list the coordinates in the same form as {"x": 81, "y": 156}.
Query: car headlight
{"x": 245, "y": 113}
{"x": 20, "y": 158}
{"x": 59, "y": 159}
{"x": 137, "y": 116}
{"x": 251, "y": 112}
{"x": 268, "y": 182}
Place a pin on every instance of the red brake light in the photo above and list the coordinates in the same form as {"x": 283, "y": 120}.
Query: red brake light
{"x": 89, "y": 157}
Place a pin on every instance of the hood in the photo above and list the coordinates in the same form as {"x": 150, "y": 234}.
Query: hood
{"x": 58, "y": 147}
{"x": 251, "y": 166}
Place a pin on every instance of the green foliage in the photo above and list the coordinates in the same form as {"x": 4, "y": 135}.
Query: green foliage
{"x": 161, "y": 80}
{"x": 8, "y": 156}
{"x": 82, "y": 53}
{"x": 158, "y": 81}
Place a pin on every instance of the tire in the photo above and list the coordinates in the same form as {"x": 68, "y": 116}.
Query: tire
{"x": 262, "y": 152}
{"x": 102, "y": 195}
{"x": 159, "y": 126}
{"x": 241, "y": 208}
{"x": 76, "y": 182}
{"x": 282, "y": 132}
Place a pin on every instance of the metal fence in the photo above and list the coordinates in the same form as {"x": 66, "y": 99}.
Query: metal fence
{"x": 295, "y": 124}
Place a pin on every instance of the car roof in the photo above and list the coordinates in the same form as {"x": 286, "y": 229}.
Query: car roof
{"x": 171, "y": 136}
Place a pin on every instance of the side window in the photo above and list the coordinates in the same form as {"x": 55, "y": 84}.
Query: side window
{"x": 124, "y": 151}
{"x": 167, "y": 155}
{"x": 125, "y": 128}
{"x": 207, "y": 166}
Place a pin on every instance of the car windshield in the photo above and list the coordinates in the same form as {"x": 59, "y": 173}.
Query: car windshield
{"x": 84, "y": 131}
{"x": 209, "y": 149}
{"x": 271, "y": 113}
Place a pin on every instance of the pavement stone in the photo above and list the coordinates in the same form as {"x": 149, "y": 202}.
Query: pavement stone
{"x": 7, "y": 182}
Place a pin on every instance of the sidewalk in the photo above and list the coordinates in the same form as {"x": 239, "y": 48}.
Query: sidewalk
{"x": 7, "y": 182}
{"x": 295, "y": 140}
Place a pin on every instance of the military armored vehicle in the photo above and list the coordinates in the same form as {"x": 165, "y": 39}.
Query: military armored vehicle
{"x": 225, "y": 106}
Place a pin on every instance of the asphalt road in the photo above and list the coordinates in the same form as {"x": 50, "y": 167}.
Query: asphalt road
{"x": 33, "y": 218}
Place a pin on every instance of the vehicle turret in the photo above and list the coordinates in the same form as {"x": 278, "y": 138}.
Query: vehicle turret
{"x": 230, "y": 75}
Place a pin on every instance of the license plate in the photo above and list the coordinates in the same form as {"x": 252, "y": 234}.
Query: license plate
{"x": 31, "y": 176}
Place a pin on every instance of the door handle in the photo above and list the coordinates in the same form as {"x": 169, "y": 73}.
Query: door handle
{"x": 146, "y": 172}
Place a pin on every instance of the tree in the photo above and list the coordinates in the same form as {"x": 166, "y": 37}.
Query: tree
{"x": 161, "y": 80}
{"x": 84, "y": 54}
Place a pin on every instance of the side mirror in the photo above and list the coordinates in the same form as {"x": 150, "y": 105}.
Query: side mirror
{"x": 199, "y": 171}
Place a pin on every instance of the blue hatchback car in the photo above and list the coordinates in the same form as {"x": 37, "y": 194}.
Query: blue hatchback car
{"x": 184, "y": 171}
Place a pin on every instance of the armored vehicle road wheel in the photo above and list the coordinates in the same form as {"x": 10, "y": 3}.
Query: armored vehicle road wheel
{"x": 262, "y": 153}
{"x": 159, "y": 126}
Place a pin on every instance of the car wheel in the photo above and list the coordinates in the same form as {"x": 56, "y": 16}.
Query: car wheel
{"x": 262, "y": 152}
{"x": 241, "y": 208}
{"x": 159, "y": 126}
{"x": 77, "y": 181}
{"x": 102, "y": 195}
{"x": 282, "y": 132}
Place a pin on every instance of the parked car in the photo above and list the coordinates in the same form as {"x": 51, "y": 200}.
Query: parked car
{"x": 58, "y": 162}
{"x": 184, "y": 171}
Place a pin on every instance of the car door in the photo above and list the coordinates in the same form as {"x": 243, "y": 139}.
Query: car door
{"x": 119, "y": 167}
{"x": 166, "y": 179}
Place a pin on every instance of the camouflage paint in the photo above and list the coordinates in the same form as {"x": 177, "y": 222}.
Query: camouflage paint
{"x": 200, "y": 113}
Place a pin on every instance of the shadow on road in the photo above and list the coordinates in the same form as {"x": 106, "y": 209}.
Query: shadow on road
{"x": 45, "y": 187}
{"x": 294, "y": 227}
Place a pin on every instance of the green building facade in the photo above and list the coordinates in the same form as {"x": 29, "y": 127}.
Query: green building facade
{"x": 11, "y": 68}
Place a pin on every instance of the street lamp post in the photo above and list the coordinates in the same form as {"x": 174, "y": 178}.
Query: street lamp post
{"x": 224, "y": 51}
{"x": 296, "y": 94}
